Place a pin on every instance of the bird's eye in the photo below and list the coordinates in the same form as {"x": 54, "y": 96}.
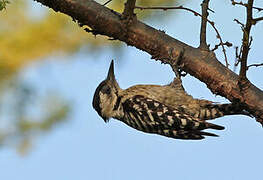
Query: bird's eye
{"x": 106, "y": 90}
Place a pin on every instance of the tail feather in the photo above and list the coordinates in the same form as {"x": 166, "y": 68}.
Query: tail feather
{"x": 190, "y": 135}
{"x": 208, "y": 134}
{"x": 212, "y": 111}
{"x": 196, "y": 135}
{"x": 214, "y": 126}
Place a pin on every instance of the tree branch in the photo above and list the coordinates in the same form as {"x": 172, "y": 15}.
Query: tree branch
{"x": 246, "y": 40}
{"x": 203, "y": 43}
{"x": 256, "y": 20}
{"x": 245, "y": 5}
{"x": 200, "y": 64}
{"x": 129, "y": 8}
{"x": 254, "y": 65}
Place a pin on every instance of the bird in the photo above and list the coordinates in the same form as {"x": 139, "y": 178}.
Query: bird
{"x": 164, "y": 110}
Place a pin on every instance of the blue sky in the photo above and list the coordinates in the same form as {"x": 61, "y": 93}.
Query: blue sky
{"x": 87, "y": 148}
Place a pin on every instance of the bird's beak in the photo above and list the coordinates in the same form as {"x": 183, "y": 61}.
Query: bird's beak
{"x": 111, "y": 76}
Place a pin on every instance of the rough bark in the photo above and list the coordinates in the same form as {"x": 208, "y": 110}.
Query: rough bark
{"x": 201, "y": 64}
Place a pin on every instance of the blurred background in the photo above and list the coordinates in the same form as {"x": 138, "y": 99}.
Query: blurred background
{"x": 50, "y": 68}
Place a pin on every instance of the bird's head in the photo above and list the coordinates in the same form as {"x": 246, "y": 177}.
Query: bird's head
{"x": 106, "y": 95}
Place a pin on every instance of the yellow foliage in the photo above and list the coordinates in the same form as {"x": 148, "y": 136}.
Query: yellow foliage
{"x": 24, "y": 39}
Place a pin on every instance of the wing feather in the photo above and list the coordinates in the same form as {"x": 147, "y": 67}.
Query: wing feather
{"x": 151, "y": 116}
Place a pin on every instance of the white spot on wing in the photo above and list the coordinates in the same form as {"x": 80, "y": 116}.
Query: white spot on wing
{"x": 165, "y": 109}
{"x": 183, "y": 122}
{"x": 175, "y": 133}
{"x": 196, "y": 114}
{"x": 170, "y": 119}
{"x": 156, "y": 104}
{"x": 136, "y": 106}
{"x": 150, "y": 116}
{"x": 175, "y": 111}
{"x": 166, "y": 132}
{"x": 197, "y": 124}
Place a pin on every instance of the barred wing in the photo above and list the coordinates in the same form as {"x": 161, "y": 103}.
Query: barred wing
{"x": 151, "y": 116}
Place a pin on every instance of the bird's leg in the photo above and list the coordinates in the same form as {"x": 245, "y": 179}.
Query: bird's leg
{"x": 177, "y": 82}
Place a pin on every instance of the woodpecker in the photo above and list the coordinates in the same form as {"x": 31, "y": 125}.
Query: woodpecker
{"x": 165, "y": 110}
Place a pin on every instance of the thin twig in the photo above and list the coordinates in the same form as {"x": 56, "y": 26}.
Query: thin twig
{"x": 254, "y": 65}
{"x": 256, "y": 20}
{"x": 245, "y": 5}
{"x": 107, "y": 2}
{"x": 238, "y": 55}
{"x": 257, "y": 8}
{"x": 228, "y": 44}
{"x": 211, "y": 10}
{"x": 237, "y": 60}
{"x": 246, "y": 40}
{"x": 240, "y": 23}
{"x": 203, "y": 43}
{"x": 196, "y": 14}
